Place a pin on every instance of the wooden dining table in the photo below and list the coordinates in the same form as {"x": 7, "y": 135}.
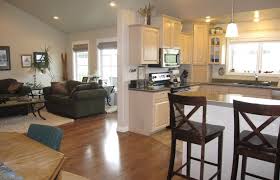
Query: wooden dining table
{"x": 29, "y": 158}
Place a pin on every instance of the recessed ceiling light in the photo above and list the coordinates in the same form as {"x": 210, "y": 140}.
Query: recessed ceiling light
{"x": 208, "y": 19}
{"x": 113, "y": 4}
{"x": 256, "y": 14}
{"x": 56, "y": 17}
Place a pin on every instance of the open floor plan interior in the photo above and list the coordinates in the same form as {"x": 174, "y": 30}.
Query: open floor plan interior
{"x": 130, "y": 89}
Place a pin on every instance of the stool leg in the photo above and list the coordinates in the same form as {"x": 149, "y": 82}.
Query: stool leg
{"x": 189, "y": 152}
{"x": 172, "y": 158}
{"x": 234, "y": 164}
{"x": 202, "y": 160}
{"x": 243, "y": 168}
{"x": 277, "y": 167}
{"x": 220, "y": 156}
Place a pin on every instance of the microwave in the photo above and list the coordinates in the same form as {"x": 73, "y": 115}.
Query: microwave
{"x": 168, "y": 58}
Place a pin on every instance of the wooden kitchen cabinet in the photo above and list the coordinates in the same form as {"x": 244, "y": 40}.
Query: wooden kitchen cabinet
{"x": 199, "y": 73}
{"x": 148, "y": 111}
{"x": 170, "y": 31}
{"x": 186, "y": 48}
{"x": 200, "y": 44}
{"x": 143, "y": 45}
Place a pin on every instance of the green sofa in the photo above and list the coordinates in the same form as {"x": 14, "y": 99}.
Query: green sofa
{"x": 79, "y": 102}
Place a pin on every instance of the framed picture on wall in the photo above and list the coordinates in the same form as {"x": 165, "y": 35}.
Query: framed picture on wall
{"x": 26, "y": 60}
{"x": 5, "y": 62}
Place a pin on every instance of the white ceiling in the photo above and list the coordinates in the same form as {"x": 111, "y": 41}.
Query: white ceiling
{"x": 82, "y": 15}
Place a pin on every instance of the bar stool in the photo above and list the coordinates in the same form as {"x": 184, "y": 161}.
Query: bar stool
{"x": 193, "y": 133}
{"x": 255, "y": 144}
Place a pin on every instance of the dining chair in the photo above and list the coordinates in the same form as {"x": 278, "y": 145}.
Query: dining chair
{"x": 47, "y": 135}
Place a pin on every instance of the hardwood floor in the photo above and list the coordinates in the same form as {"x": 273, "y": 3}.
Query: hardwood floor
{"x": 95, "y": 150}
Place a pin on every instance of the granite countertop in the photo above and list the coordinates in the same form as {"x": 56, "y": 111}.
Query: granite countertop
{"x": 226, "y": 99}
{"x": 165, "y": 88}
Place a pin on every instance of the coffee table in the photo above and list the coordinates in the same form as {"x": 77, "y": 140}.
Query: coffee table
{"x": 31, "y": 103}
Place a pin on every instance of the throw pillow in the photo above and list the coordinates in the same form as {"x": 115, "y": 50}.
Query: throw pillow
{"x": 71, "y": 85}
{"x": 80, "y": 88}
{"x": 94, "y": 85}
{"x": 14, "y": 87}
{"x": 59, "y": 88}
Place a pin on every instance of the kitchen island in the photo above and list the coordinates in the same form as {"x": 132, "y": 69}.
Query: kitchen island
{"x": 220, "y": 112}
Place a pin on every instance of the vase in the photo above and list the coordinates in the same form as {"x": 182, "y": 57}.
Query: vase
{"x": 148, "y": 19}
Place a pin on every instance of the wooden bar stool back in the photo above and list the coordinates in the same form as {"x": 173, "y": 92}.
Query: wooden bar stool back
{"x": 254, "y": 143}
{"x": 192, "y": 132}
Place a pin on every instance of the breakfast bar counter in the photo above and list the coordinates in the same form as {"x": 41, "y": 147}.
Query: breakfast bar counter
{"x": 220, "y": 112}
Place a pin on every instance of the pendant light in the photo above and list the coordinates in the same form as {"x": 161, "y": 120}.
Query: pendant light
{"x": 232, "y": 30}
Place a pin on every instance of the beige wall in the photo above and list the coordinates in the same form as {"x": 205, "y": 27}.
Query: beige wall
{"x": 92, "y": 37}
{"x": 26, "y": 34}
{"x": 264, "y": 30}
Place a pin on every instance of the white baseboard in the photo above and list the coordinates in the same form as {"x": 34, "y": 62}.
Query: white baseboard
{"x": 122, "y": 129}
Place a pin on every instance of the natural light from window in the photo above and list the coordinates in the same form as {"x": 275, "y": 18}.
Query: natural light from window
{"x": 254, "y": 57}
{"x": 108, "y": 66}
{"x": 81, "y": 65}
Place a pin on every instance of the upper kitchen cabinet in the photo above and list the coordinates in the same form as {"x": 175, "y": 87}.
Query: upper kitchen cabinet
{"x": 217, "y": 49}
{"x": 200, "y": 44}
{"x": 186, "y": 48}
{"x": 170, "y": 31}
{"x": 143, "y": 44}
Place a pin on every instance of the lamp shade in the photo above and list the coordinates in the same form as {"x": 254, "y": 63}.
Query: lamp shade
{"x": 232, "y": 30}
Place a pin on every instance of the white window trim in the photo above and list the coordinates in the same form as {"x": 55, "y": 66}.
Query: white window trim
{"x": 74, "y": 67}
{"x": 102, "y": 40}
{"x": 247, "y": 40}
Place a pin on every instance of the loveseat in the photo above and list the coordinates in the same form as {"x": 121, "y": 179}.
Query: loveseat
{"x": 12, "y": 88}
{"x": 75, "y": 99}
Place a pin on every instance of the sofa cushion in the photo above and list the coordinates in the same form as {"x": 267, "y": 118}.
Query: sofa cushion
{"x": 14, "y": 87}
{"x": 94, "y": 85}
{"x": 71, "y": 85}
{"x": 59, "y": 99}
{"x": 59, "y": 88}
{"x": 4, "y": 84}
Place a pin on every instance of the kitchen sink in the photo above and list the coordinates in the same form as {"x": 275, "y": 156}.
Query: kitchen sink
{"x": 255, "y": 83}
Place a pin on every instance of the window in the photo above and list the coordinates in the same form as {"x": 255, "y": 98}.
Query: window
{"x": 254, "y": 57}
{"x": 108, "y": 66}
{"x": 80, "y": 59}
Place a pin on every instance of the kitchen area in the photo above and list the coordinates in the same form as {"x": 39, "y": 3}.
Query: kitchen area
{"x": 176, "y": 55}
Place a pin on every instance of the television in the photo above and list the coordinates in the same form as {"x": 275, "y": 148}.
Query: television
{"x": 40, "y": 59}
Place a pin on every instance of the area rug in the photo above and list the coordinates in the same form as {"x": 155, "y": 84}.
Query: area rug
{"x": 21, "y": 124}
{"x": 164, "y": 137}
{"x": 111, "y": 109}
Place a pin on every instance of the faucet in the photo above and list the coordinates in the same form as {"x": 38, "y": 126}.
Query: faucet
{"x": 256, "y": 78}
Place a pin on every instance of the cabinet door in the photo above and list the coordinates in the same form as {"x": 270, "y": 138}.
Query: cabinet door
{"x": 199, "y": 73}
{"x": 200, "y": 44}
{"x": 186, "y": 48}
{"x": 167, "y": 33}
{"x": 176, "y": 34}
{"x": 161, "y": 114}
{"x": 150, "y": 46}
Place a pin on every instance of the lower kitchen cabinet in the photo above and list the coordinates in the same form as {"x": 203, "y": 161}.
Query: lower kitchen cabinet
{"x": 148, "y": 111}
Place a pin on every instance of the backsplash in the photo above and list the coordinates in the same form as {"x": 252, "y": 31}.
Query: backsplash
{"x": 215, "y": 75}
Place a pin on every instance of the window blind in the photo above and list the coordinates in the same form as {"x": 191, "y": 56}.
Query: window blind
{"x": 107, "y": 45}
{"x": 80, "y": 47}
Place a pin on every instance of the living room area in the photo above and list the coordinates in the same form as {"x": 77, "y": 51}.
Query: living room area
{"x": 61, "y": 78}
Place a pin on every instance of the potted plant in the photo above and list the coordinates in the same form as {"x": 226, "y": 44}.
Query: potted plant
{"x": 146, "y": 13}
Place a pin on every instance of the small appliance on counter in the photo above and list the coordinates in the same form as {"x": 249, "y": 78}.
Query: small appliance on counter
{"x": 168, "y": 58}
{"x": 174, "y": 76}
{"x": 184, "y": 77}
